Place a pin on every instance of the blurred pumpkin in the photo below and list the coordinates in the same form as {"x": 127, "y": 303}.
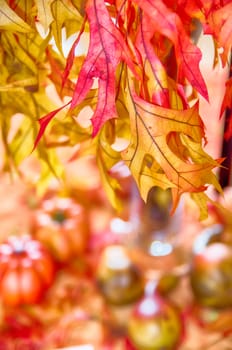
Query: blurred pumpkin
{"x": 155, "y": 324}
{"x": 211, "y": 275}
{"x": 119, "y": 280}
{"x": 62, "y": 225}
{"x": 26, "y": 270}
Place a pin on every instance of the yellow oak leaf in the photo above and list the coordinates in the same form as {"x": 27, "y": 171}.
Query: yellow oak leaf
{"x": 18, "y": 53}
{"x": 10, "y": 21}
{"x": 63, "y": 11}
{"x": 44, "y": 13}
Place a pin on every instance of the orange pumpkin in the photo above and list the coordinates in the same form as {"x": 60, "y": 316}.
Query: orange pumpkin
{"x": 62, "y": 225}
{"x": 26, "y": 270}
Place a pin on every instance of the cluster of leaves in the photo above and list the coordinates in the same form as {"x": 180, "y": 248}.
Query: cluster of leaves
{"x": 137, "y": 84}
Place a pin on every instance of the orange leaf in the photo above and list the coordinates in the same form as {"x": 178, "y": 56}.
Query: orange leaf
{"x": 151, "y": 126}
{"x": 220, "y": 23}
{"x": 216, "y": 17}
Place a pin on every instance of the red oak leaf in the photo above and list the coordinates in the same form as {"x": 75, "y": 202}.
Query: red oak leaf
{"x": 56, "y": 77}
{"x": 228, "y": 132}
{"x": 143, "y": 43}
{"x": 188, "y": 56}
{"x": 106, "y": 50}
{"x": 227, "y": 100}
{"x": 44, "y": 121}
{"x": 227, "y": 103}
{"x": 71, "y": 56}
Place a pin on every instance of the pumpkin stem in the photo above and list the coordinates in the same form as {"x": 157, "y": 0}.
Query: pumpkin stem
{"x": 59, "y": 216}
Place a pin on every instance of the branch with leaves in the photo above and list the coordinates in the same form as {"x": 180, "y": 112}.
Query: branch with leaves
{"x": 139, "y": 76}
